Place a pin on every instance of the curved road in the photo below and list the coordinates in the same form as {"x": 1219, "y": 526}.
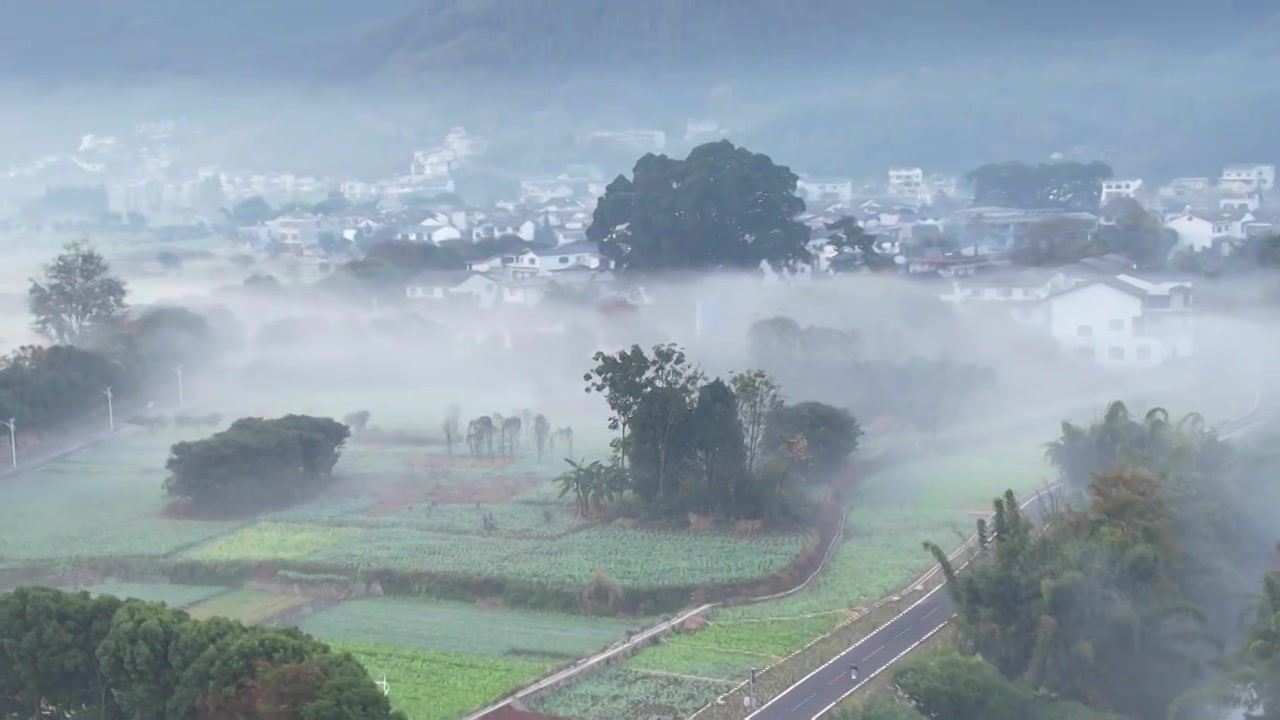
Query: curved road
{"x": 825, "y": 687}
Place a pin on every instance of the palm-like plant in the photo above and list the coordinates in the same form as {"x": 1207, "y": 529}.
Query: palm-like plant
{"x": 593, "y": 485}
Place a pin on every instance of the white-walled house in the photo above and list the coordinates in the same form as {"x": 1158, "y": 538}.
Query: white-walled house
{"x": 814, "y": 189}
{"x": 1097, "y": 309}
{"x": 1201, "y": 230}
{"x": 297, "y": 229}
{"x": 1116, "y": 189}
{"x": 908, "y": 183}
{"x": 562, "y": 257}
{"x": 1124, "y": 321}
{"x": 1245, "y": 177}
{"x": 1194, "y": 232}
{"x": 439, "y": 285}
{"x": 1021, "y": 292}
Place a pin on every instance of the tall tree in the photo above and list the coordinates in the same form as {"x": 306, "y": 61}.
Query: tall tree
{"x": 1066, "y": 185}
{"x": 77, "y": 294}
{"x": 1136, "y": 233}
{"x": 830, "y": 435}
{"x": 661, "y": 440}
{"x": 857, "y": 248}
{"x": 722, "y": 207}
{"x": 758, "y": 396}
{"x": 719, "y": 446}
{"x": 621, "y": 378}
{"x": 1055, "y": 241}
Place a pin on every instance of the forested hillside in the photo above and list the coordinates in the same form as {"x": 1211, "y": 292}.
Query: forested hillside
{"x": 342, "y": 38}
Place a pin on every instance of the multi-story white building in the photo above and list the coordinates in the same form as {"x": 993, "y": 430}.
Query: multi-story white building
{"x": 908, "y": 183}
{"x": 1248, "y": 178}
{"x": 815, "y": 189}
{"x": 1116, "y": 189}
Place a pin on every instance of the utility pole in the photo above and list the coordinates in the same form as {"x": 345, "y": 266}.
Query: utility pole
{"x": 751, "y": 690}
{"x": 111, "y": 411}
{"x": 182, "y": 401}
{"x": 13, "y": 440}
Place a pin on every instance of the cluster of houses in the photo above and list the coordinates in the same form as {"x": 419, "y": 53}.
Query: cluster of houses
{"x": 1102, "y": 310}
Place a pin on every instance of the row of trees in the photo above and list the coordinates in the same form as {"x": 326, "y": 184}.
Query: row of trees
{"x": 830, "y": 363}
{"x": 1128, "y": 600}
{"x": 98, "y": 343}
{"x": 256, "y": 462}
{"x": 73, "y": 655}
{"x": 691, "y": 444}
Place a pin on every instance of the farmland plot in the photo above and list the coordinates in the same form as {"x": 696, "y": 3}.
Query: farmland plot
{"x": 435, "y": 685}
{"x": 105, "y": 500}
{"x": 632, "y": 558}
{"x": 466, "y": 628}
{"x": 637, "y": 695}
{"x": 175, "y": 596}
{"x": 271, "y": 541}
{"x": 247, "y": 606}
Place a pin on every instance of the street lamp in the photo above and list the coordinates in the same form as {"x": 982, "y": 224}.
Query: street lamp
{"x": 111, "y": 411}
{"x": 13, "y": 440}
{"x": 181, "y": 398}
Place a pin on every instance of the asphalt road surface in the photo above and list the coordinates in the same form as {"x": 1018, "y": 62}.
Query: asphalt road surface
{"x": 822, "y": 689}
{"x": 832, "y": 682}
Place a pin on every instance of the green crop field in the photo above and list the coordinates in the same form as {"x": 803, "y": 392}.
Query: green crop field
{"x": 177, "y": 596}
{"x": 631, "y": 558}
{"x": 437, "y": 685}
{"x": 247, "y": 606}
{"x": 632, "y": 694}
{"x": 105, "y": 500}
{"x": 466, "y": 628}
{"x": 270, "y": 541}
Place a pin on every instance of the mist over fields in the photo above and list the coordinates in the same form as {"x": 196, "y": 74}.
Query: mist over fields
{"x": 409, "y": 326}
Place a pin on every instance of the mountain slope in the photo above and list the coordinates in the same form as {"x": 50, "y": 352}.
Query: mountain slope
{"x": 347, "y": 39}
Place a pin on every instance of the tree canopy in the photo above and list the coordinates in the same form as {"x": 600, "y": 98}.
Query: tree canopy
{"x": 1067, "y": 185}
{"x": 689, "y": 444}
{"x": 1123, "y": 599}
{"x": 256, "y": 462}
{"x": 46, "y": 387}
{"x": 73, "y": 655}
{"x": 827, "y": 363}
{"x": 76, "y": 294}
{"x": 722, "y": 207}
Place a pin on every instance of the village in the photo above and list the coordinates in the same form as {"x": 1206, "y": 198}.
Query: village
{"x": 1106, "y": 308}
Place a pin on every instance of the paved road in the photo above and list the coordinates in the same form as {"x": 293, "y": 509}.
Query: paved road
{"x": 830, "y": 683}
{"x": 820, "y": 690}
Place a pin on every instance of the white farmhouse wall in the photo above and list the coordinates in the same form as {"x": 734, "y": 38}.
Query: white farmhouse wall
{"x": 1194, "y": 233}
{"x": 1096, "y": 323}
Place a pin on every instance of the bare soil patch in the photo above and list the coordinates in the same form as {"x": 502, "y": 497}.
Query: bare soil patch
{"x": 462, "y": 461}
